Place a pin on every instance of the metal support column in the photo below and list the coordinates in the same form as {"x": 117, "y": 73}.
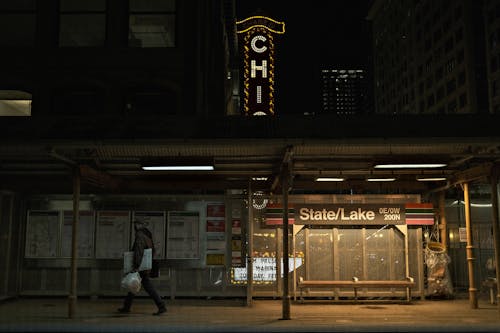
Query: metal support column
{"x": 8, "y": 236}
{"x": 470, "y": 247}
{"x": 496, "y": 229}
{"x": 442, "y": 221}
{"x": 250, "y": 245}
{"x": 74, "y": 243}
{"x": 286, "y": 294}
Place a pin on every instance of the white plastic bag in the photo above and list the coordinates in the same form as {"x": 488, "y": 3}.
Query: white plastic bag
{"x": 132, "y": 282}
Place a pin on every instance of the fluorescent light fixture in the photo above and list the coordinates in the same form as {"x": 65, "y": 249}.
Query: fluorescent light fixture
{"x": 409, "y": 166}
{"x": 179, "y": 168}
{"x": 380, "y": 179}
{"x": 329, "y": 179}
{"x": 179, "y": 164}
{"x": 461, "y": 202}
{"x": 430, "y": 179}
{"x": 262, "y": 179}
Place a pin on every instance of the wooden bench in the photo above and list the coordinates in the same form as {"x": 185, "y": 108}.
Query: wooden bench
{"x": 356, "y": 284}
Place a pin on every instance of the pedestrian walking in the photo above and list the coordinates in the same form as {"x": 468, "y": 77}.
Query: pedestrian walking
{"x": 143, "y": 240}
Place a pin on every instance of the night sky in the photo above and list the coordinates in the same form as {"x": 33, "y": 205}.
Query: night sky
{"x": 318, "y": 34}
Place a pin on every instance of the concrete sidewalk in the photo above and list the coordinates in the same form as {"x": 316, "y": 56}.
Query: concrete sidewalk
{"x": 232, "y": 315}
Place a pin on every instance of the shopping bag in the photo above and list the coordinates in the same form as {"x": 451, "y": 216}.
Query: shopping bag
{"x": 132, "y": 282}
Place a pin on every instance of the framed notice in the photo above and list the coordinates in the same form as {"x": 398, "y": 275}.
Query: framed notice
{"x": 42, "y": 234}
{"x": 216, "y": 242}
{"x": 216, "y": 210}
{"x": 215, "y": 259}
{"x": 155, "y": 222}
{"x": 112, "y": 234}
{"x": 218, "y": 226}
{"x": 183, "y": 235}
{"x": 85, "y": 242}
{"x": 236, "y": 226}
{"x": 462, "y": 233}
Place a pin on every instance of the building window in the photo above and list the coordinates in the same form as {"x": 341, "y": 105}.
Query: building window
{"x": 450, "y": 65}
{"x": 421, "y": 106}
{"x": 462, "y": 100}
{"x": 451, "y": 86}
{"x": 430, "y": 101}
{"x": 458, "y": 13}
{"x": 151, "y": 23}
{"x": 448, "y": 45}
{"x": 494, "y": 39}
{"x": 437, "y": 35}
{"x": 82, "y": 23}
{"x": 493, "y": 64}
{"x": 440, "y": 93}
{"x": 461, "y": 78}
{"x": 18, "y": 23}
{"x": 429, "y": 82}
{"x": 459, "y": 35}
{"x": 15, "y": 103}
{"x": 452, "y": 107}
{"x": 495, "y": 88}
{"x": 439, "y": 73}
{"x": 460, "y": 56}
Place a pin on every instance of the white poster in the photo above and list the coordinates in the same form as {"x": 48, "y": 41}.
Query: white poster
{"x": 264, "y": 270}
{"x": 112, "y": 234}
{"x": 85, "y": 242}
{"x": 183, "y": 235}
{"x": 42, "y": 234}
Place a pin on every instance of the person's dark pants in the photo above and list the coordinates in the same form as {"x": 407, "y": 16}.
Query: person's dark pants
{"x": 148, "y": 286}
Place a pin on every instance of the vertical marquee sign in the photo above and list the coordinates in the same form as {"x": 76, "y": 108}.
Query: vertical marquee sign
{"x": 257, "y": 37}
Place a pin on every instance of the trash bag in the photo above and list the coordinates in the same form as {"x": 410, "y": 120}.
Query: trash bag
{"x": 132, "y": 282}
{"x": 438, "y": 276}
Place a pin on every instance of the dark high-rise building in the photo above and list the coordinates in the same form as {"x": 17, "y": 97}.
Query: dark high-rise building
{"x": 491, "y": 12}
{"x": 428, "y": 57}
{"x": 344, "y": 91}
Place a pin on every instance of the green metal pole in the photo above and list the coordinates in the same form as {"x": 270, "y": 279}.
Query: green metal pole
{"x": 74, "y": 243}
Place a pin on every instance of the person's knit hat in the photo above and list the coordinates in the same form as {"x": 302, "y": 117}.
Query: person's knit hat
{"x": 139, "y": 223}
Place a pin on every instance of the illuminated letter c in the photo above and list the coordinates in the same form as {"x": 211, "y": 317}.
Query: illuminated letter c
{"x": 254, "y": 41}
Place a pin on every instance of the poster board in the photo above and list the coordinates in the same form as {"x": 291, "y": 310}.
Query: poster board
{"x": 146, "y": 262}
{"x": 216, "y": 234}
{"x": 86, "y": 227}
{"x": 112, "y": 234}
{"x": 42, "y": 234}
{"x": 183, "y": 235}
{"x": 155, "y": 222}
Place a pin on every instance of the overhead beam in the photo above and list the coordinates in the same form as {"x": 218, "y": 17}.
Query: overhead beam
{"x": 466, "y": 176}
{"x": 99, "y": 178}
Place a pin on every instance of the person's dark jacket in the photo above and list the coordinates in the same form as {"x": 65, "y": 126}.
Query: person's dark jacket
{"x": 143, "y": 240}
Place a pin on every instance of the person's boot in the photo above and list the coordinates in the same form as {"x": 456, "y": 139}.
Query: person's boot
{"x": 160, "y": 311}
{"x": 123, "y": 310}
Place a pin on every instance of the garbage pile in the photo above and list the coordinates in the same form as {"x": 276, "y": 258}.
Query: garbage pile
{"x": 438, "y": 276}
